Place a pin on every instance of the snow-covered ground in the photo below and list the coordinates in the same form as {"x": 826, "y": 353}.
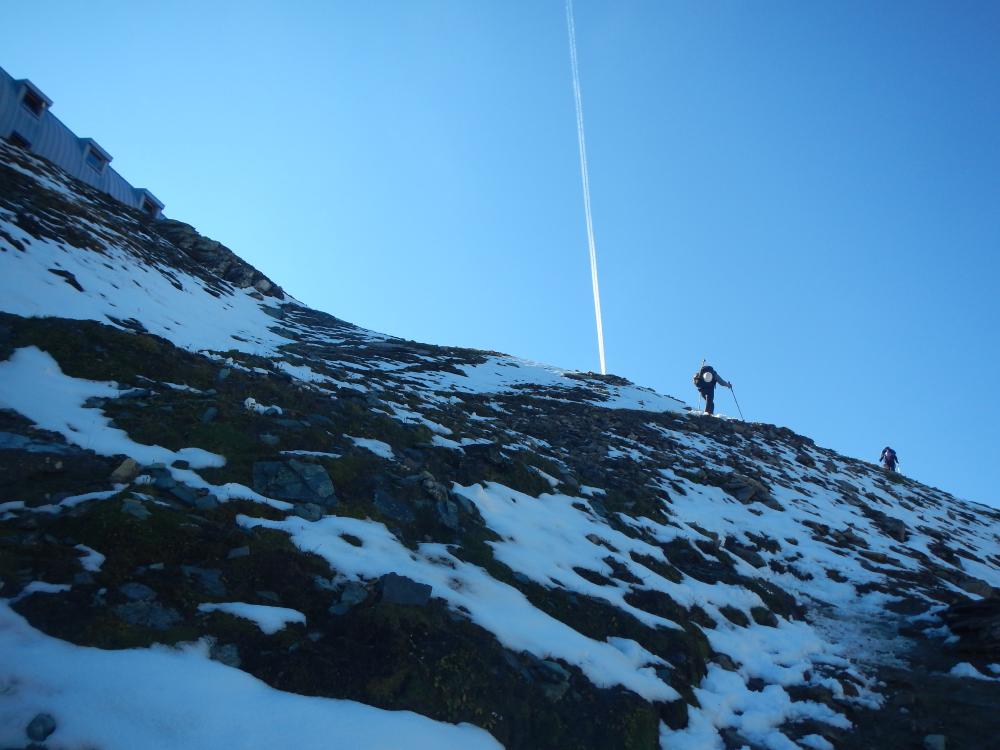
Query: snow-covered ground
{"x": 841, "y": 537}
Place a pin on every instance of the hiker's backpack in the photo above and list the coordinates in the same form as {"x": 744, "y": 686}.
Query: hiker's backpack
{"x": 699, "y": 380}
{"x": 889, "y": 456}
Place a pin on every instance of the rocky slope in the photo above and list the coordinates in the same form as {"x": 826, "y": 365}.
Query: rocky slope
{"x": 227, "y": 519}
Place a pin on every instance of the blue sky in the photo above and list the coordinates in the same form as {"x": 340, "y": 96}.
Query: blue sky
{"x": 807, "y": 194}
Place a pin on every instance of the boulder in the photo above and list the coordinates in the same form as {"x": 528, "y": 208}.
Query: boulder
{"x": 397, "y": 589}
{"x": 294, "y": 480}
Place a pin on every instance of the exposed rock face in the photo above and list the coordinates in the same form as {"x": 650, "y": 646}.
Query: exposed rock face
{"x": 560, "y": 559}
{"x": 216, "y": 257}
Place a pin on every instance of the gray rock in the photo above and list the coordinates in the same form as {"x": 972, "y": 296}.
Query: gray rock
{"x": 293, "y": 480}
{"x": 352, "y": 595}
{"x": 269, "y": 596}
{"x": 162, "y": 479}
{"x": 209, "y": 414}
{"x": 225, "y": 653}
{"x": 448, "y": 513}
{"x": 393, "y": 508}
{"x": 223, "y": 374}
{"x": 935, "y": 742}
{"x": 397, "y": 589}
{"x": 39, "y": 728}
{"x": 433, "y": 487}
{"x": 208, "y": 580}
{"x": 10, "y": 441}
{"x": 206, "y": 502}
{"x": 268, "y": 439}
{"x": 238, "y": 552}
{"x": 184, "y": 493}
{"x": 135, "y": 508}
{"x": 127, "y": 471}
{"x": 147, "y": 615}
{"x": 309, "y": 511}
{"x": 137, "y": 591}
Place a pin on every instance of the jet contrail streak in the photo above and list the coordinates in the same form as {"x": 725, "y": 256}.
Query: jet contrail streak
{"x": 586, "y": 180}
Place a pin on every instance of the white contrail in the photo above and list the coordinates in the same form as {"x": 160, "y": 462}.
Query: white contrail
{"x": 586, "y": 180}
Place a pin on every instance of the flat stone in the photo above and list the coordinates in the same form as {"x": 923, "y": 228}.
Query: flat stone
{"x": 209, "y": 414}
{"x": 397, "y": 589}
{"x": 935, "y": 742}
{"x": 11, "y": 441}
{"x": 268, "y": 439}
{"x": 147, "y": 615}
{"x": 206, "y": 502}
{"x": 238, "y": 552}
{"x": 135, "y": 508}
{"x": 137, "y": 591}
{"x": 293, "y": 480}
{"x": 184, "y": 493}
{"x": 208, "y": 580}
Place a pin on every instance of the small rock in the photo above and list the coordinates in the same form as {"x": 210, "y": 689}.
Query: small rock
{"x": 148, "y": 615}
{"x": 41, "y": 727}
{"x": 238, "y": 552}
{"x": 448, "y": 513}
{"x": 135, "y": 508}
{"x": 268, "y": 439}
{"x": 935, "y": 742}
{"x": 309, "y": 511}
{"x": 223, "y": 374}
{"x": 127, "y": 471}
{"x": 397, "y": 589}
{"x": 137, "y": 591}
{"x": 226, "y": 653}
{"x": 180, "y": 463}
{"x": 270, "y": 596}
{"x": 352, "y": 595}
{"x": 206, "y": 502}
{"x": 162, "y": 479}
{"x": 184, "y": 493}
{"x": 209, "y": 414}
{"x": 208, "y": 580}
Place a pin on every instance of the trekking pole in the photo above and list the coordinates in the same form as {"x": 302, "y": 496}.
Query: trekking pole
{"x": 737, "y": 403}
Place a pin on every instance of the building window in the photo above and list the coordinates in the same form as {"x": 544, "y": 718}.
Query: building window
{"x": 16, "y": 139}
{"x": 96, "y": 160}
{"x": 32, "y": 102}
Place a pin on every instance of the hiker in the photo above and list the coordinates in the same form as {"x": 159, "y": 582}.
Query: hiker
{"x": 705, "y": 381}
{"x": 889, "y": 458}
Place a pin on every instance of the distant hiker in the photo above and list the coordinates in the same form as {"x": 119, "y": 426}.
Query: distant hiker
{"x": 889, "y": 458}
{"x": 705, "y": 381}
